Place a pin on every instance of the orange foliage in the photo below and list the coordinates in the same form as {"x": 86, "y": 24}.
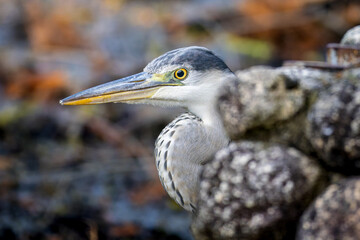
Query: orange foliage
{"x": 43, "y": 87}
{"x": 293, "y": 27}
{"x": 48, "y": 29}
{"x": 352, "y": 14}
{"x": 261, "y": 7}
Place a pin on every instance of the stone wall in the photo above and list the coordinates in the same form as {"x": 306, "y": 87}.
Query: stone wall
{"x": 292, "y": 170}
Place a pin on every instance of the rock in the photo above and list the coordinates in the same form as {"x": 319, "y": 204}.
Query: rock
{"x": 264, "y": 97}
{"x": 318, "y": 112}
{"x": 347, "y": 53}
{"x": 261, "y": 97}
{"x": 254, "y": 191}
{"x": 277, "y": 118}
{"x": 335, "y": 214}
{"x": 271, "y": 104}
{"x": 351, "y": 37}
{"x": 334, "y": 127}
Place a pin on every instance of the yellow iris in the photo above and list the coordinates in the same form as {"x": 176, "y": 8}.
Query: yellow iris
{"x": 180, "y": 73}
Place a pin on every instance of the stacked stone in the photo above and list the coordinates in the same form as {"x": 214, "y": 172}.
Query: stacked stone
{"x": 292, "y": 170}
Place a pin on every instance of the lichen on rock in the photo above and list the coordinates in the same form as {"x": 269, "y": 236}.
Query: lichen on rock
{"x": 335, "y": 214}
{"x": 334, "y": 127}
{"x": 251, "y": 190}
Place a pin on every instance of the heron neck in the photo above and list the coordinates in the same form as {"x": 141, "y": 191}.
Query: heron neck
{"x": 206, "y": 107}
{"x": 210, "y": 117}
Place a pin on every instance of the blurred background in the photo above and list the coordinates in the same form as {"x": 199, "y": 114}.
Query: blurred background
{"x": 88, "y": 172}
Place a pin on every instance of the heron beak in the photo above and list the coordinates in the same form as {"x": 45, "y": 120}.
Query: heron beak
{"x": 136, "y": 87}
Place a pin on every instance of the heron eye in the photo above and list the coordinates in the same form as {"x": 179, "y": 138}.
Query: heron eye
{"x": 180, "y": 73}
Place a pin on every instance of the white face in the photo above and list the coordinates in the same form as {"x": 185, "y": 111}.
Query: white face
{"x": 199, "y": 88}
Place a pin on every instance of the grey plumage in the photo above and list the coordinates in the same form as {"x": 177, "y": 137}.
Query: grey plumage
{"x": 194, "y": 58}
{"x": 185, "y": 136}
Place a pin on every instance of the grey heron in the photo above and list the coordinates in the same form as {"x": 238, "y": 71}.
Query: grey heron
{"x": 187, "y": 77}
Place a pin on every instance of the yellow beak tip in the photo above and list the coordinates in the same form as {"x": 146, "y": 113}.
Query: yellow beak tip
{"x": 78, "y": 102}
{"x": 67, "y": 103}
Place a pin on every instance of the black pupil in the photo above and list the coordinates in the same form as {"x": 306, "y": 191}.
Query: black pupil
{"x": 180, "y": 73}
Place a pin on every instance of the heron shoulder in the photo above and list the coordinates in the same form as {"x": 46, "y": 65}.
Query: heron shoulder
{"x": 189, "y": 138}
{"x": 180, "y": 151}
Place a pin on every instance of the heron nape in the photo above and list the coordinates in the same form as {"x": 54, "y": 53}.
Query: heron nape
{"x": 186, "y": 77}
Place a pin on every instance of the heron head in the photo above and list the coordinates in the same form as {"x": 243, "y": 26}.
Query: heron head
{"x": 180, "y": 77}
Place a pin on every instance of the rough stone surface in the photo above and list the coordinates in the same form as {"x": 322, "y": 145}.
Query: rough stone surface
{"x": 261, "y": 97}
{"x": 352, "y": 37}
{"x": 258, "y": 187}
{"x": 318, "y": 112}
{"x": 334, "y": 127}
{"x": 264, "y": 97}
{"x": 335, "y": 214}
{"x": 253, "y": 191}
